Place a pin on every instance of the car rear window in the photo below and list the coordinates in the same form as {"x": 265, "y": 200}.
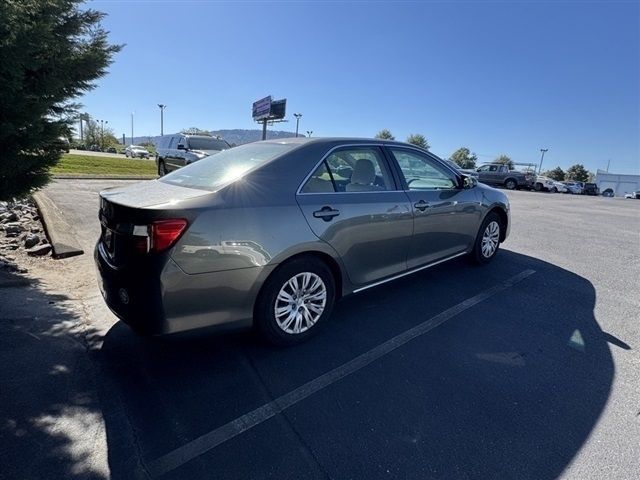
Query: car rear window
{"x": 199, "y": 143}
{"x": 215, "y": 171}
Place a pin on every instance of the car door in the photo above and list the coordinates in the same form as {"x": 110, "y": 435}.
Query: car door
{"x": 446, "y": 215}
{"x": 170, "y": 154}
{"x": 181, "y": 151}
{"x": 489, "y": 174}
{"x": 352, "y": 202}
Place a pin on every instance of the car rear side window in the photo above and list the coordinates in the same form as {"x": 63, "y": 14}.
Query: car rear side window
{"x": 320, "y": 181}
{"x": 359, "y": 169}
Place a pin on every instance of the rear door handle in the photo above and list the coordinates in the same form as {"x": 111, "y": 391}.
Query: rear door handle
{"x": 421, "y": 205}
{"x": 326, "y": 213}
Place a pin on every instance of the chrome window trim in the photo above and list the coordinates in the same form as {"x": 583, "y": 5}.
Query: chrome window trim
{"x": 347, "y": 145}
{"x": 409, "y": 272}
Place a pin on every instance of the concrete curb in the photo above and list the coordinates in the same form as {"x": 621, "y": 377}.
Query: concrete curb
{"x": 60, "y": 233}
{"x": 104, "y": 177}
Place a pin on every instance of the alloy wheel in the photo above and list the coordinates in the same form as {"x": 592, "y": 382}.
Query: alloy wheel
{"x": 300, "y": 303}
{"x": 490, "y": 239}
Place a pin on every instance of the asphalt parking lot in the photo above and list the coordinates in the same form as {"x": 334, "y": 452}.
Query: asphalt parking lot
{"x": 526, "y": 368}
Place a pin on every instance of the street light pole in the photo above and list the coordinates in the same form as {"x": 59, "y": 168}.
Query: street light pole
{"x": 102, "y": 122}
{"x": 132, "y": 127}
{"x": 162, "y": 107}
{"x": 297, "y": 115}
{"x": 309, "y": 133}
{"x": 543, "y": 150}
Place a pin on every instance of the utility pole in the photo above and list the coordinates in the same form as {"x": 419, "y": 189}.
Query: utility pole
{"x": 309, "y": 133}
{"x": 162, "y": 107}
{"x": 543, "y": 150}
{"x": 297, "y": 115}
{"x": 132, "y": 127}
{"x": 608, "y": 164}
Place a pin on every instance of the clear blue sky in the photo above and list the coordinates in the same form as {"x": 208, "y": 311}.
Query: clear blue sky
{"x": 497, "y": 77}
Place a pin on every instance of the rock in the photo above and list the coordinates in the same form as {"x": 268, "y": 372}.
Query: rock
{"x": 9, "y": 217}
{"x": 39, "y": 250}
{"x": 35, "y": 229}
{"x": 31, "y": 241}
{"x": 14, "y": 227}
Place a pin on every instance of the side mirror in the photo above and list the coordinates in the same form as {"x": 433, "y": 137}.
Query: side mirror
{"x": 181, "y": 147}
{"x": 469, "y": 182}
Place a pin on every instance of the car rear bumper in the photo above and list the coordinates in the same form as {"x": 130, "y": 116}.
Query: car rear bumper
{"x": 157, "y": 297}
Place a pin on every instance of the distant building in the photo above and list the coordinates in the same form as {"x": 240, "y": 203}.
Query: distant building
{"x": 618, "y": 182}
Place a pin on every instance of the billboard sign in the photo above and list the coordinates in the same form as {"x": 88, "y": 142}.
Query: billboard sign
{"x": 262, "y": 108}
{"x": 278, "y": 108}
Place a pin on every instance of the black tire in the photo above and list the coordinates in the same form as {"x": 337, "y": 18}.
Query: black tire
{"x": 264, "y": 310}
{"x": 537, "y": 187}
{"x": 476, "y": 254}
{"x": 510, "y": 184}
{"x": 553, "y": 190}
{"x": 162, "y": 169}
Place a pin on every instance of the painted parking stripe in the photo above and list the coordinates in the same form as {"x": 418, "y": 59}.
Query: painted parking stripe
{"x": 211, "y": 440}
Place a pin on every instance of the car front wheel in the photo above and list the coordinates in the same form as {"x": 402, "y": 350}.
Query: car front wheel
{"x": 510, "y": 184}
{"x": 295, "y": 301}
{"x": 487, "y": 240}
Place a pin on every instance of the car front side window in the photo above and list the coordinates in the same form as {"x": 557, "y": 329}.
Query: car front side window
{"x": 422, "y": 173}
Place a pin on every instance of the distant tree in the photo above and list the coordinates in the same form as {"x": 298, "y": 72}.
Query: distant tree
{"x": 385, "y": 134}
{"x": 577, "y": 172}
{"x": 505, "y": 160}
{"x": 464, "y": 158}
{"x": 556, "y": 174}
{"x": 97, "y": 134}
{"x": 195, "y": 131}
{"x": 51, "y": 51}
{"x": 418, "y": 140}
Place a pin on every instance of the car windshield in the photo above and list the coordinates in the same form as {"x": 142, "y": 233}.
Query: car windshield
{"x": 217, "y": 170}
{"x": 203, "y": 143}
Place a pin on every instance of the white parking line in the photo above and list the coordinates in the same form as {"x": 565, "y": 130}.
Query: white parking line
{"x": 208, "y": 441}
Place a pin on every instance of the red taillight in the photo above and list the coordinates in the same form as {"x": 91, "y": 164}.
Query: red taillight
{"x": 164, "y": 233}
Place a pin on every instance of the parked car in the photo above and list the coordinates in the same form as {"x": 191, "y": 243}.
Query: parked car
{"x": 135, "y": 151}
{"x": 590, "y": 189}
{"x": 272, "y": 233}
{"x": 559, "y": 187}
{"x": 635, "y": 195}
{"x": 498, "y": 174}
{"x": 608, "y": 192}
{"x": 62, "y": 143}
{"x": 466, "y": 171}
{"x": 112, "y": 150}
{"x": 574, "y": 187}
{"x": 176, "y": 151}
{"x": 543, "y": 183}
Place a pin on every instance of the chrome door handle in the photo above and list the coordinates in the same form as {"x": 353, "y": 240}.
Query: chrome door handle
{"x": 421, "y": 205}
{"x": 326, "y": 213}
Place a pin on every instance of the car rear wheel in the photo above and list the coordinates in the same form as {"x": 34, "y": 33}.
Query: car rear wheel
{"x": 488, "y": 239}
{"x": 510, "y": 184}
{"x": 295, "y": 301}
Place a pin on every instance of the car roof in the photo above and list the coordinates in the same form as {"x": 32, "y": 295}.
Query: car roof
{"x": 345, "y": 140}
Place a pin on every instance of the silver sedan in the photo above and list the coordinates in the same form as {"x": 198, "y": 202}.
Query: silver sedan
{"x": 272, "y": 234}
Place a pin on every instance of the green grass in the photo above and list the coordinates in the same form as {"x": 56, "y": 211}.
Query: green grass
{"x": 90, "y": 165}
